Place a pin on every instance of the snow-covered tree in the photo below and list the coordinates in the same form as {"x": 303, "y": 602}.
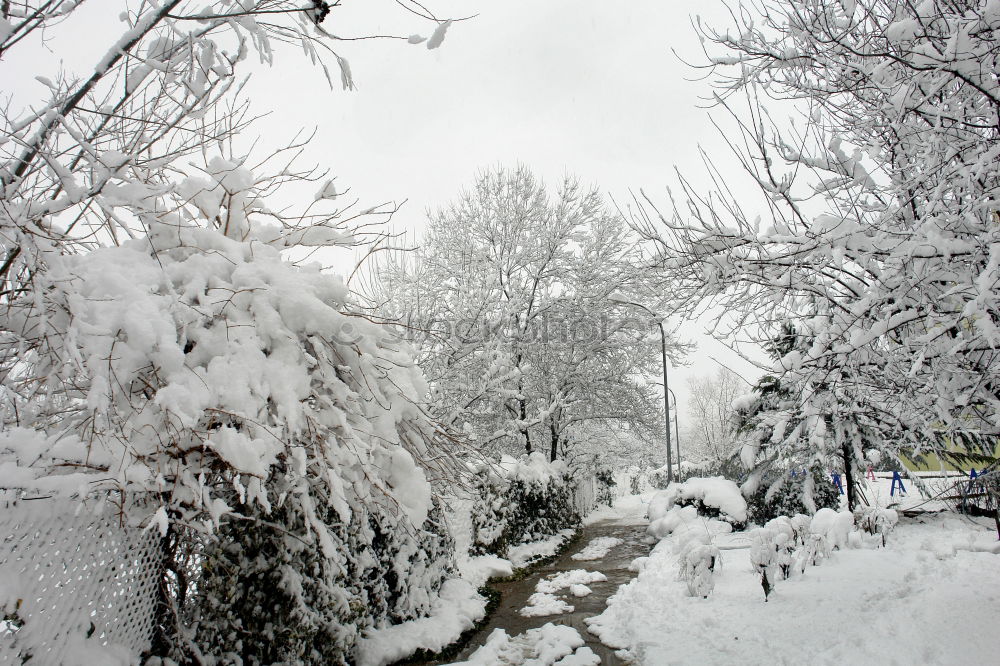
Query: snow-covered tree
{"x": 519, "y": 299}
{"x": 793, "y": 431}
{"x": 876, "y": 234}
{"x": 712, "y": 426}
{"x": 160, "y": 347}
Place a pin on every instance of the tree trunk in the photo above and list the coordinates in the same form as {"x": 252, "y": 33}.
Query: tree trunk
{"x": 852, "y": 500}
{"x": 523, "y": 405}
{"x": 554, "y": 443}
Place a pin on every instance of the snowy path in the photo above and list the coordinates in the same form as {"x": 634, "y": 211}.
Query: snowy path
{"x": 614, "y": 565}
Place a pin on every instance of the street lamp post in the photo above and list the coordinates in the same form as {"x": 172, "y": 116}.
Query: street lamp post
{"x": 666, "y": 396}
{"x": 666, "y": 387}
{"x": 677, "y": 428}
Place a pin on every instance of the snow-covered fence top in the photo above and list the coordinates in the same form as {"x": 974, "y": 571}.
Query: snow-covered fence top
{"x": 75, "y": 588}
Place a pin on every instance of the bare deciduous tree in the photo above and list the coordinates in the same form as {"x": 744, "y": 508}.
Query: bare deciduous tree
{"x": 710, "y": 413}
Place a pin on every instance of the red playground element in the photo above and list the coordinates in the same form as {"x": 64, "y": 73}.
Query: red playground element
{"x": 870, "y": 474}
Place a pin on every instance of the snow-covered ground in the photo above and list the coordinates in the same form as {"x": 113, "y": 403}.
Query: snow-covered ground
{"x": 931, "y": 597}
{"x": 626, "y": 509}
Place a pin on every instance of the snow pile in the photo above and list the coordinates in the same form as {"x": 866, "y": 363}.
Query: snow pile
{"x": 548, "y": 645}
{"x": 526, "y": 553}
{"x": 597, "y": 548}
{"x": 564, "y": 579}
{"x": 457, "y": 608}
{"x": 544, "y": 602}
{"x": 519, "y": 502}
{"x": 480, "y": 569}
{"x": 541, "y": 604}
{"x": 713, "y": 497}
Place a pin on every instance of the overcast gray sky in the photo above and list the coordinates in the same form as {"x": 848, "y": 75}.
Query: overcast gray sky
{"x": 585, "y": 87}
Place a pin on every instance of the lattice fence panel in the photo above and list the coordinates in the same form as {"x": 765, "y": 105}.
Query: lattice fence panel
{"x": 74, "y": 587}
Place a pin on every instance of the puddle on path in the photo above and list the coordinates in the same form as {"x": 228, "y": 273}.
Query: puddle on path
{"x": 614, "y": 565}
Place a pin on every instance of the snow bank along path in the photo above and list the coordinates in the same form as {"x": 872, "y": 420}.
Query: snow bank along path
{"x": 931, "y": 597}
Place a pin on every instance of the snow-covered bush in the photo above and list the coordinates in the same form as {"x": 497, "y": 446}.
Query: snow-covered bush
{"x": 697, "y": 562}
{"x": 521, "y": 501}
{"x": 764, "y": 556}
{"x": 876, "y": 521}
{"x": 666, "y": 522}
{"x": 834, "y": 526}
{"x": 800, "y": 523}
{"x": 265, "y": 596}
{"x": 605, "y": 486}
{"x": 713, "y": 497}
{"x": 790, "y": 494}
{"x": 658, "y": 479}
{"x": 784, "y": 543}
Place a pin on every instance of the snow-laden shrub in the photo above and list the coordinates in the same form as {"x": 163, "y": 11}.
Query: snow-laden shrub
{"x": 697, "y": 564}
{"x": 265, "y": 596}
{"x": 664, "y": 523}
{"x": 790, "y": 494}
{"x": 834, "y": 526}
{"x": 800, "y": 523}
{"x": 276, "y": 439}
{"x": 765, "y": 551}
{"x": 606, "y": 484}
{"x": 658, "y": 479}
{"x": 518, "y": 502}
{"x": 713, "y": 497}
{"x": 784, "y": 542}
{"x": 876, "y": 521}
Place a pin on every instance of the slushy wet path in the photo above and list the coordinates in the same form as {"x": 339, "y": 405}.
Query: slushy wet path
{"x": 614, "y": 565}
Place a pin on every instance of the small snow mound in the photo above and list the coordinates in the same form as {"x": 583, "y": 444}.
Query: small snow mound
{"x": 544, "y": 603}
{"x": 565, "y": 579}
{"x": 597, "y": 548}
{"x": 548, "y": 645}
{"x": 638, "y": 564}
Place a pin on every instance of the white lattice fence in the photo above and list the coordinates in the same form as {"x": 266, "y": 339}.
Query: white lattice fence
{"x": 75, "y": 588}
